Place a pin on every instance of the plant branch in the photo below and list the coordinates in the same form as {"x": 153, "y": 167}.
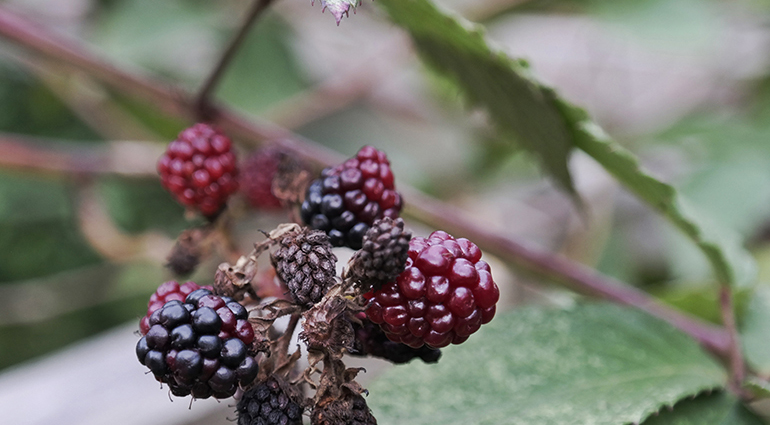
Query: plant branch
{"x": 203, "y": 108}
{"x": 131, "y": 159}
{"x": 430, "y": 211}
{"x": 735, "y": 354}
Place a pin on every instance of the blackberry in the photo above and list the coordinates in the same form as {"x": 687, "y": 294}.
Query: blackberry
{"x": 443, "y": 296}
{"x": 306, "y": 264}
{"x": 370, "y": 340}
{"x": 350, "y": 409}
{"x": 256, "y": 178}
{"x": 199, "y": 169}
{"x": 269, "y": 403}
{"x": 348, "y": 198}
{"x": 167, "y": 291}
{"x": 201, "y": 346}
{"x": 383, "y": 254}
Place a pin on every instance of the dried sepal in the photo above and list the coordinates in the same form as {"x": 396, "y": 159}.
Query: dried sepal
{"x": 191, "y": 247}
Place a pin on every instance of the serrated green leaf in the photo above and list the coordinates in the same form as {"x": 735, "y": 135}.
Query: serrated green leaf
{"x": 731, "y": 263}
{"x": 755, "y": 333}
{"x": 339, "y": 8}
{"x": 520, "y": 108}
{"x": 758, "y": 388}
{"x": 595, "y": 364}
{"x": 712, "y": 409}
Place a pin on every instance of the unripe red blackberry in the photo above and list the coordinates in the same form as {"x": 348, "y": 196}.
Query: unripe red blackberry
{"x": 383, "y": 254}
{"x": 271, "y": 402}
{"x": 167, "y": 291}
{"x": 305, "y": 262}
{"x": 443, "y": 296}
{"x": 256, "y": 178}
{"x": 199, "y": 169}
{"x": 200, "y": 347}
{"x": 370, "y": 340}
{"x": 347, "y": 198}
{"x": 349, "y": 409}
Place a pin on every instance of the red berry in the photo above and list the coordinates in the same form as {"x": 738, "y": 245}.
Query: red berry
{"x": 365, "y": 186}
{"x": 256, "y": 178}
{"x": 198, "y": 168}
{"x": 443, "y": 296}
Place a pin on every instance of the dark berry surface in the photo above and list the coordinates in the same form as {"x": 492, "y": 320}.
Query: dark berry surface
{"x": 199, "y": 168}
{"x": 370, "y": 340}
{"x": 200, "y": 346}
{"x": 168, "y": 291}
{"x": 268, "y": 403}
{"x": 256, "y": 177}
{"x": 443, "y": 296}
{"x": 346, "y": 199}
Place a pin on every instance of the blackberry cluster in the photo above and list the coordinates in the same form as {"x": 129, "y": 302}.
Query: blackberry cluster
{"x": 200, "y": 346}
{"x": 350, "y": 409}
{"x": 383, "y": 255}
{"x": 256, "y": 178}
{"x": 269, "y": 403}
{"x": 167, "y": 291}
{"x": 443, "y": 296}
{"x": 199, "y": 169}
{"x": 370, "y": 340}
{"x": 306, "y": 264}
{"x": 347, "y": 198}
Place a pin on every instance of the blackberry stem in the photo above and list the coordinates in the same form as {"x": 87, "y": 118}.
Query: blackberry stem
{"x": 175, "y": 102}
{"x": 737, "y": 365}
{"x": 203, "y": 107}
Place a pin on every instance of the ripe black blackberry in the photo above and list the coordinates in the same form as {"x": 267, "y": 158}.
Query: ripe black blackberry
{"x": 347, "y": 198}
{"x": 445, "y": 294}
{"x": 349, "y": 409}
{"x": 370, "y": 340}
{"x": 383, "y": 254}
{"x": 199, "y": 168}
{"x": 201, "y": 346}
{"x": 271, "y": 402}
{"x": 306, "y": 264}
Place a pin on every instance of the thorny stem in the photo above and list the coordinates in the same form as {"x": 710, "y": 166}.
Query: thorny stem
{"x": 203, "y": 107}
{"x": 175, "y": 102}
{"x": 735, "y": 354}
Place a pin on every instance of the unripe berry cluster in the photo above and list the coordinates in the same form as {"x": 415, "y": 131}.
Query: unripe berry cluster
{"x": 443, "y": 296}
{"x": 347, "y": 198}
{"x": 199, "y": 169}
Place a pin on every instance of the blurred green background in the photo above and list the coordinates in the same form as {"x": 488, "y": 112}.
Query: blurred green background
{"x": 682, "y": 83}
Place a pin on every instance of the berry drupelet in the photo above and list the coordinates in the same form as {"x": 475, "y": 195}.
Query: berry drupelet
{"x": 443, "y": 296}
{"x": 199, "y": 168}
{"x": 347, "y": 198}
{"x": 201, "y": 346}
{"x": 167, "y": 291}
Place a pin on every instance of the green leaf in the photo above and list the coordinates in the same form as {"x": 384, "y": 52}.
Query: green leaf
{"x": 594, "y": 364}
{"x": 520, "y": 108}
{"x": 712, "y": 409}
{"x": 755, "y": 333}
{"x": 758, "y": 388}
{"x": 731, "y": 263}
{"x": 544, "y": 124}
{"x": 338, "y": 8}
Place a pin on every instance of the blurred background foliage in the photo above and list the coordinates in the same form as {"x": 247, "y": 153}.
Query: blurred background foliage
{"x": 685, "y": 84}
